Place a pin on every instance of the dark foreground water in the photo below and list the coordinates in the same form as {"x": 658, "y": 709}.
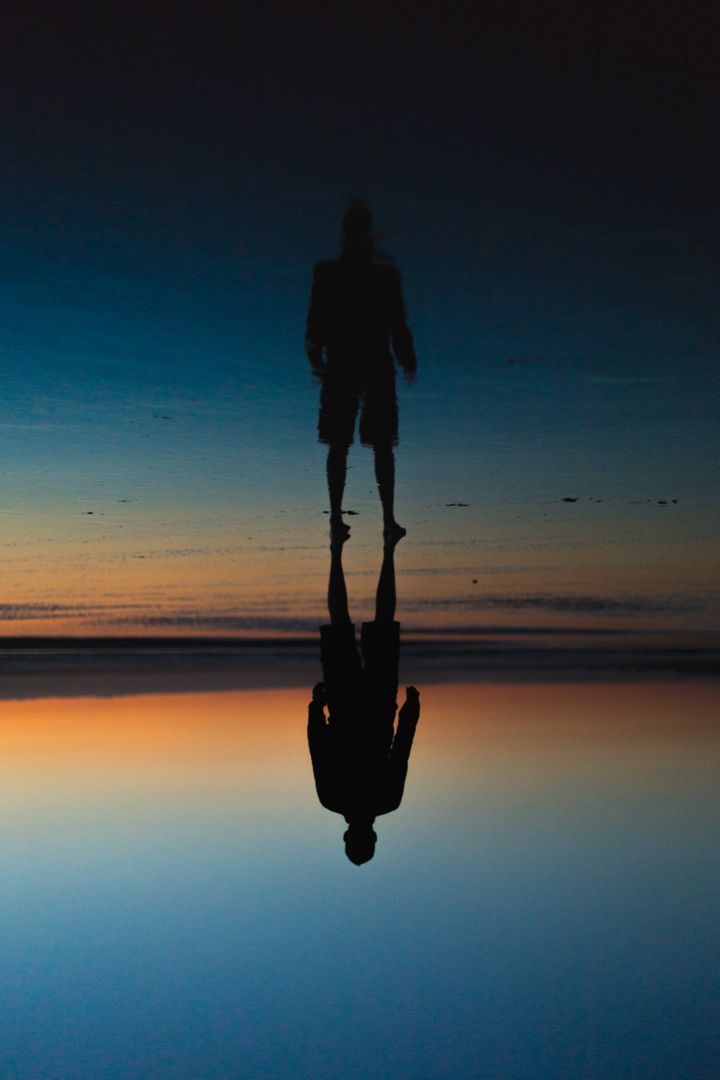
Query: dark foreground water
{"x": 176, "y": 903}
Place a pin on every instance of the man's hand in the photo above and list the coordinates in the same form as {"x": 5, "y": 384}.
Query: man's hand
{"x": 316, "y": 708}
{"x": 315, "y": 359}
{"x": 319, "y": 695}
{"x": 411, "y": 708}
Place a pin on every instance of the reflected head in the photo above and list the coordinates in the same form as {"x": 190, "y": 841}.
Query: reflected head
{"x": 360, "y": 841}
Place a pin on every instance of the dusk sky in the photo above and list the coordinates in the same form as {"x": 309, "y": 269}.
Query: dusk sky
{"x": 176, "y": 900}
{"x": 546, "y": 176}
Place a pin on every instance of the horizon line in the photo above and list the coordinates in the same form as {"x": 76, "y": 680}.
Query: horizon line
{"x": 419, "y": 635}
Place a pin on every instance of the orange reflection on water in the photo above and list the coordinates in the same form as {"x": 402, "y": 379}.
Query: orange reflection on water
{"x": 565, "y": 739}
{"x": 480, "y": 736}
{"x": 150, "y": 727}
{"x": 66, "y": 751}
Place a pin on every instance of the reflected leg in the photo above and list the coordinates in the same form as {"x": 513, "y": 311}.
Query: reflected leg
{"x": 337, "y": 590}
{"x": 385, "y": 597}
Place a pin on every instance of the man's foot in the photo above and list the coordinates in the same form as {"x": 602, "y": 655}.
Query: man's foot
{"x": 393, "y": 533}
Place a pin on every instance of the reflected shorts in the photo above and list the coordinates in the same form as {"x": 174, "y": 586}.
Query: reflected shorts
{"x": 380, "y": 643}
{"x": 366, "y": 692}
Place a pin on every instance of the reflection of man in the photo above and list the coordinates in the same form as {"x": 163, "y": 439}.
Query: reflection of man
{"x": 356, "y": 328}
{"x": 359, "y": 756}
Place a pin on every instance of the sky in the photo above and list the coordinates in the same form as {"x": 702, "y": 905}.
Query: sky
{"x": 546, "y": 177}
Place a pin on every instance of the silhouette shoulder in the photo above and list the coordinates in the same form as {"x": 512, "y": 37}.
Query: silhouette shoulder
{"x": 389, "y": 275}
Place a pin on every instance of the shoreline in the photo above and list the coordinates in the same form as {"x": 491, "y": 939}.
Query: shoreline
{"x": 79, "y": 668}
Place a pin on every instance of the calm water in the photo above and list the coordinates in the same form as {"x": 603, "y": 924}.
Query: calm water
{"x": 177, "y": 904}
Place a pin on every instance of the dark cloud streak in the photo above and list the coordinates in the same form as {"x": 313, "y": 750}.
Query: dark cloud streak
{"x": 580, "y": 605}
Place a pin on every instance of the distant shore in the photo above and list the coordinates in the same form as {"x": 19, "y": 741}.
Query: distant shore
{"x": 108, "y": 667}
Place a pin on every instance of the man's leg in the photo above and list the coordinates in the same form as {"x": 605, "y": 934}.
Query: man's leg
{"x": 336, "y": 473}
{"x": 385, "y": 476}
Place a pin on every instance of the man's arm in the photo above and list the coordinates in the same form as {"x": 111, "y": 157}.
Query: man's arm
{"x": 314, "y": 328}
{"x": 316, "y": 709}
{"x": 400, "y": 336}
{"x": 322, "y": 755}
{"x": 400, "y": 751}
{"x": 407, "y": 722}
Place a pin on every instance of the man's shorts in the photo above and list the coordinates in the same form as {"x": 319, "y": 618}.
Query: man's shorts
{"x": 378, "y": 416}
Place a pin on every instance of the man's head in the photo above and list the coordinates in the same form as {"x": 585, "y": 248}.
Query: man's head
{"x": 357, "y": 229}
{"x": 360, "y": 838}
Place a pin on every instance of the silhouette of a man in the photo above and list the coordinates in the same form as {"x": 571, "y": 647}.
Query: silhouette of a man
{"x": 356, "y": 329}
{"x": 359, "y": 757}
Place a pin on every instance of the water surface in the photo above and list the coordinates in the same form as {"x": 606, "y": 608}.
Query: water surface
{"x": 177, "y": 904}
